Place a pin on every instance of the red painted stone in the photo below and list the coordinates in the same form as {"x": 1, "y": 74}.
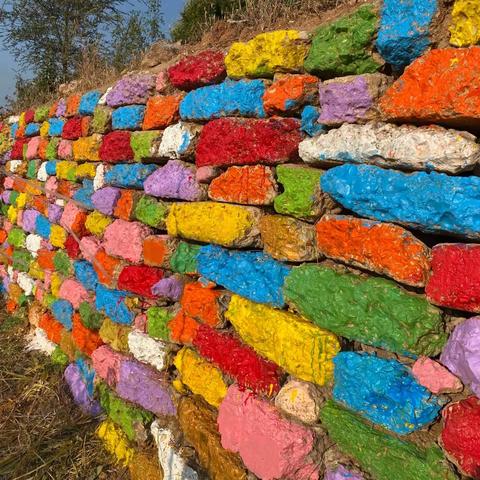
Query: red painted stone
{"x": 460, "y": 436}
{"x": 17, "y": 149}
{"x": 116, "y": 147}
{"x": 194, "y": 71}
{"x": 72, "y": 247}
{"x": 29, "y": 116}
{"x": 139, "y": 279}
{"x": 72, "y": 130}
{"x": 238, "y": 360}
{"x": 236, "y": 141}
{"x": 455, "y": 278}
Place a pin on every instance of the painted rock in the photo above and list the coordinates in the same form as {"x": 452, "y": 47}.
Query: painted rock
{"x": 116, "y": 147}
{"x": 151, "y": 211}
{"x": 353, "y": 306}
{"x": 74, "y": 292}
{"x": 435, "y": 377}
{"x": 128, "y": 118}
{"x": 210, "y": 222}
{"x": 147, "y": 350}
{"x": 460, "y": 436}
{"x": 79, "y": 391}
{"x": 184, "y": 258}
{"x": 465, "y": 27}
{"x": 404, "y": 32}
{"x": 230, "y": 98}
{"x": 454, "y": 282}
{"x": 231, "y": 141}
{"x": 267, "y": 54}
{"x": 431, "y": 202}
{"x": 310, "y": 125}
{"x": 161, "y": 112}
{"x": 383, "y": 248}
{"x": 255, "y": 429}
{"x": 249, "y": 185}
{"x": 115, "y": 442}
{"x": 86, "y": 275}
{"x": 199, "y": 70}
{"x": 144, "y": 145}
{"x": 72, "y": 130}
{"x": 131, "y": 89}
{"x": 351, "y": 99}
{"x": 139, "y": 279}
{"x": 298, "y": 346}
{"x": 341, "y": 473}
{"x": 128, "y": 175}
{"x": 85, "y": 340}
{"x": 112, "y": 303}
{"x": 179, "y": 140}
{"x": 105, "y": 200}
{"x": 414, "y": 96}
{"x": 126, "y": 204}
{"x": 404, "y": 147}
{"x": 88, "y": 102}
{"x": 158, "y": 250}
{"x": 343, "y": 47}
{"x": 381, "y": 455}
{"x": 384, "y": 392}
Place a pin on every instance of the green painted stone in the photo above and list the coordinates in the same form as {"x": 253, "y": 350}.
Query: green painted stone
{"x": 25, "y": 147}
{"x": 32, "y": 169}
{"x": 52, "y": 149}
{"x": 41, "y": 113}
{"x": 48, "y": 299}
{"x": 184, "y": 259}
{"x": 90, "y": 317}
{"x": 151, "y": 211}
{"x": 130, "y": 419}
{"x": 4, "y": 209}
{"x": 22, "y": 300}
{"x": 62, "y": 263}
{"x": 16, "y": 237}
{"x": 21, "y": 260}
{"x": 58, "y": 357}
{"x": 381, "y": 455}
{"x": 71, "y": 173}
{"x": 102, "y": 118}
{"x": 343, "y": 46}
{"x": 141, "y": 143}
{"x": 371, "y": 310}
{"x": 157, "y": 320}
{"x": 13, "y": 197}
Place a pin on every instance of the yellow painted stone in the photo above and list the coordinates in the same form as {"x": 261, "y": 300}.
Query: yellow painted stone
{"x": 55, "y": 283}
{"x": 58, "y": 236}
{"x": 267, "y": 54}
{"x": 116, "y": 442}
{"x": 21, "y": 120}
{"x": 200, "y": 376}
{"x": 21, "y": 200}
{"x": 44, "y": 129}
{"x": 12, "y": 214}
{"x": 115, "y": 335}
{"x": 87, "y": 148}
{"x": 96, "y": 223}
{"x": 211, "y": 222}
{"x": 85, "y": 170}
{"x": 66, "y": 170}
{"x": 36, "y": 271}
{"x": 298, "y": 346}
{"x": 465, "y": 28}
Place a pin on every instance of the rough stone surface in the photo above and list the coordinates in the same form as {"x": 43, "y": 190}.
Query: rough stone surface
{"x": 147, "y": 350}
{"x": 383, "y": 248}
{"x": 80, "y": 392}
{"x": 105, "y": 199}
{"x": 139, "y": 279}
{"x": 341, "y": 473}
{"x": 112, "y": 303}
{"x": 179, "y": 140}
{"x": 131, "y": 89}
{"x": 151, "y": 211}
{"x": 431, "y": 202}
{"x": 404, "y": 147}
{"x": 128, "y": 118}
{"x": 115, "y": 442}
{"x": 158, "y": 250}
{"x": 231, "y": 141}
{"x": 435, "y": 377}
{"x": 116, "y": 147}
{"x": 128, "y": 176}
{"x": 356, "y": 307}
{"x": 465, "y": 27}
{"x": 161, "y": 112}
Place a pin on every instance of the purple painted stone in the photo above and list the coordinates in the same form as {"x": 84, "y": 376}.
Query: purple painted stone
{"x": 175, "y": 180}
{"x": 105, "y": 199}
{"x": 79, "y": 391}
{"x": 29, "y": 219}
{"x": 5, "y": 157}
{"x": 461, "y": 354}
{"x": 171, "y": 288}
{"x": 146, "y": 387}
{"x": 6, "y": 283}
{"x": 341, "y": 473}
{"x": 54, "y": 213}
{"x": 132, "y": 89}
{"x": 61, "y": 108}
{"x": 6, "y": 196}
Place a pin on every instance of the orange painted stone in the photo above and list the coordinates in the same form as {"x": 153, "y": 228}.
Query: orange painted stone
{"x": 383, "y": 248}
{"x": 249, "y": 185}
{"x": 40, "y": 203}
{"x": 73, "y": 103}
{"x": 108, "y": 268}
{"x": 157, "y": 250}
{"x": 161, "y": 111}
{"x": 45, "y": 259}
{"x": 52, "y": 328}
{"x": 440, "y": 87}
{"x": 67, "y": 188}
{"x": 289, "y": 93}
{"x": 42, "y": 148}
{"x": 125, "y": 206}
{"x": 85, "y": 339}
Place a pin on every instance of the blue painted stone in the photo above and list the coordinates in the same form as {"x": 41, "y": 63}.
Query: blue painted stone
{"x": 432, "y": 202}
{"x": 310, "y": 123}
{"x": 252, "y": 275}
{"x": 230, "y": 98}
{"x": 86, "y": 274}
{"x": 43, "y": 227}
{"x": 51, "y": 167}
{"x": 87, "y": 373}
{"x": 14, "y": 129}
{"x": 32, "y": 129}
{"x": 383, "y": 391}
{"x": 62, "y": 310}
{"x": 55, "y": 127}
{"x": 88, "y": 102}
{"x": 128, "y": 118}
{"x": 112, "y": 304}
{"x": 84, "y": 194}
{"x": 129, "y": 175}
{"x": 404, "y": 32}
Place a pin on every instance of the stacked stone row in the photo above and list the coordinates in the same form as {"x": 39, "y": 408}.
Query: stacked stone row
{"x": 263, "y": 259}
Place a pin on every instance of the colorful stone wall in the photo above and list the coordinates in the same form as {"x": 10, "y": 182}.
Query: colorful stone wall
{"x": 264, "y": 259}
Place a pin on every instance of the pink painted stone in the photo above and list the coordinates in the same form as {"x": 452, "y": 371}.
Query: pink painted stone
{"x": 32, "y": 148}
{"x": 70, "y": 215}
{"x": 8, "y": 183}
{"x": 125, "y": 240}
{"x": 7, "y": 226}
{"x": 435, "y": 377}
{"x": 271, "y": 446}
{"x": 89, "y": 246}
{"x": 47, "y": 281}
{"x": 207, "y": 174}
{"x": 20, "y": 219}
{"x": 65, "y": 150}
{"x": 51, "y": 186}
{"x": 162, "y": 82}
{"x": 106, "y": 363}
{"x": 74, "y": 292}
{"x": 140, "y": 323}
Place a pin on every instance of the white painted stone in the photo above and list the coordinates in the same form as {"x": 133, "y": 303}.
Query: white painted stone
{"x": 145, "y": 349}
{"x": 37, "y": 341}
{"x": 13, "y": 119}
{"x": 99, "y": 179}
{"x": 103, "y": 98}
{"x": 14, "y": 165}
{"x": 60, "y": 202}
{"x": 173, "y": 465}
{"x": 26, "y": 283}
{"x": 178, "y": 141}
{"x": 392, "y": 146}
{"x": 42, "y": 172}
{"x": 33, "y": 243}
{"x": 11, "y": 273}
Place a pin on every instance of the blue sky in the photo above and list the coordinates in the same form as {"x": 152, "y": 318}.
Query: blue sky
{"x": 8, "y": 66}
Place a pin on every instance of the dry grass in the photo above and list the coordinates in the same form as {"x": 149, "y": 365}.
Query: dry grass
{"x": 43, "y": 436}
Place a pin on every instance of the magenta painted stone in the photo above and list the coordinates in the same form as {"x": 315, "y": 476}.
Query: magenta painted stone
{"x": 79, "y": 391}
{"x": 55, "y": 212}
{"x": 341, "y": 473}
{"x": 61, "y": 108}
{"x": 105, "y": 199}
{"x": 435, "y": 377}
{"x": 461, "y": 354}
{"x": 171, "y": 288}
{"x": 29, "y": 219}
{"x": 106, "y": 363}
{"x": 132, "y": 89}
{"x": 176, "y": 180}
{"x": 146, "y": 387}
